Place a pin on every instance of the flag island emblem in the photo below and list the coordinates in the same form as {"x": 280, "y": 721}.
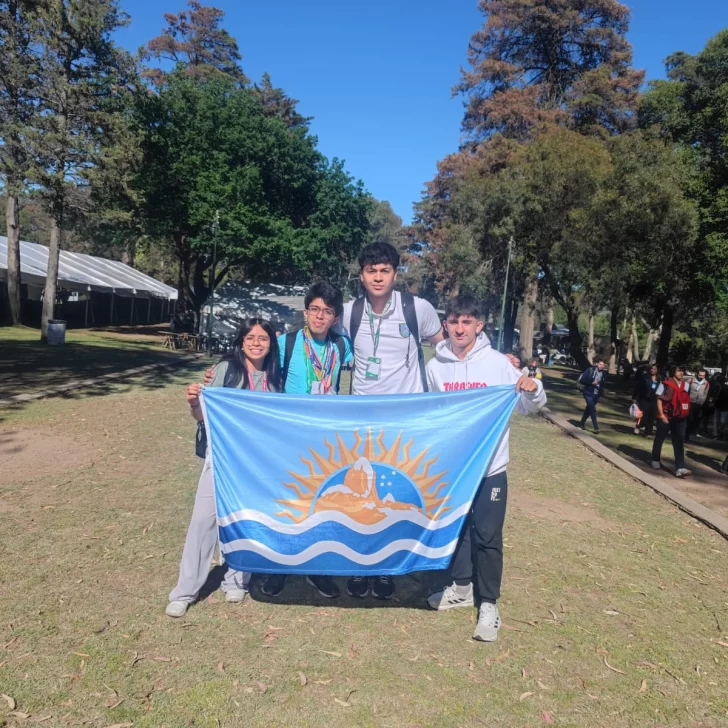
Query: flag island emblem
{"x": 302, "y": 487}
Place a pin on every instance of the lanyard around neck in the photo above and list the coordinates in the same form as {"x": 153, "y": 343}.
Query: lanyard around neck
{"x": 371, "y": 314}
{"x": 322, "y": 370}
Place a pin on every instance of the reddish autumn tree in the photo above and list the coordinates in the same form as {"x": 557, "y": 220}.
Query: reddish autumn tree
{"x": 276, "y": 103}
{"x": 563, "y": 61}
{"x": 195, "y": 39}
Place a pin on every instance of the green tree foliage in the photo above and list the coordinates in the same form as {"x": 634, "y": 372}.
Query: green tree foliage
{"x": 84, "y": 77}
{"x": 19, "y": 80}
{"x": 210, "y": 149}
{"x": 194, "y": 39}
{"x": 691, "y": 110}
{"x": 277, "y": 103}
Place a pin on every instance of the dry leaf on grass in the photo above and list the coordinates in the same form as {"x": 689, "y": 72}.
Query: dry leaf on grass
{"x": 10, "y": 701}
{"x": 613, "y": 669}
{"x": 610, "y": 612}
{"x": 723, "y": 644}
{"x": 643, "y": 687}
{"x": 221, "y": 666}
{"x": 333, "y": 654}
{"x": 353, "y": 652}
{"x": 18, "y": 714}
{"x": 547, "y": 718}
{"x": 41, "y": 719}
{"x": 523, "y": 696}
{"x": 261, "y": 686}
{"x": 302, "y": 679}
{"x": 121, "y": 725}
{"x": 541, "y": 685}
{"x": 342, "y": 702}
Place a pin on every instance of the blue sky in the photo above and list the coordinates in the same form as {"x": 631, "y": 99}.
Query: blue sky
{"x": 377, "y": 75}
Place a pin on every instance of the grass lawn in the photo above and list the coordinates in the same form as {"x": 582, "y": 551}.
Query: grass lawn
{"x": 26, "y": 365}
{"x": 614, "y": 602}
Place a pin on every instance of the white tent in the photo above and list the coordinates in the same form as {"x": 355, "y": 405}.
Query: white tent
{"x": 236, "y": 301}
{"x": 81, "y": 272}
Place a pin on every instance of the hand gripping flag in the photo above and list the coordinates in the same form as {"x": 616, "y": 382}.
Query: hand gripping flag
{"x": 348, "y": 485}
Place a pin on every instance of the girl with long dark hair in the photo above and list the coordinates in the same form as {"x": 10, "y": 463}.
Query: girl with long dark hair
{"x": 254, "y": 363}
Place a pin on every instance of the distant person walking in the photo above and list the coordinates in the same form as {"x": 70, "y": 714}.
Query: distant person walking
{"x": 645, "y": 397}
{"x": 699, "y": 389}
{"x": 721, "y": 407}
{"x": 591, "y": 384}
{"x": 673, "y": 411}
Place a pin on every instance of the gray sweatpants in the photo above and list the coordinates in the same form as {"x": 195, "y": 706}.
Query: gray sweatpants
{"x": 200, "y": 546}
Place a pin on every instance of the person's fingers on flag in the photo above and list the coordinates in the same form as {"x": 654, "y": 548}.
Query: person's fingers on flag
{"x": 209, "y": 376}
{"x": 193, "y": 394}
{"x": 526, "y": 384}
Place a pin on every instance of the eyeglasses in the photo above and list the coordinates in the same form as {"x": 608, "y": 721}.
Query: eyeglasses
{"x": 256, "y": 339}
{"x": 325, "y": 312}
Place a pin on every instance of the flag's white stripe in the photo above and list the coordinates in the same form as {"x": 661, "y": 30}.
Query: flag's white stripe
{"x": 336, "y": 547}
{"x": 416, "y": 517}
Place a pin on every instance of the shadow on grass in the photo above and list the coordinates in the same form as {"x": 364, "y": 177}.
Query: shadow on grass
{"x": 411, "y": 592}
{"x": 151, "y": 380}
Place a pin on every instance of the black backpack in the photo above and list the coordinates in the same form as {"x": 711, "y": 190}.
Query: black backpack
{"x": 410, "y": 317}
{"x": 291, "y": 336}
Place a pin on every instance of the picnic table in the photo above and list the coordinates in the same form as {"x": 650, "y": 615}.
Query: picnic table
{"x": 190, "y": 342}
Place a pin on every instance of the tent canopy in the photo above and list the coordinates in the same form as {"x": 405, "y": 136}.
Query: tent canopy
{"x": 81, "y": 272}
{"x": 236, "y": 301}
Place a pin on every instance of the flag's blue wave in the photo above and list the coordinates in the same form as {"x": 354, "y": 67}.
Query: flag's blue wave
{"x": 349, "y": 485}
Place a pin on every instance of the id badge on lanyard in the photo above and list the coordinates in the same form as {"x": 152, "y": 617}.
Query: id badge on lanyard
{"x": 317, "y": 387}
{"x": 374, "y": 366}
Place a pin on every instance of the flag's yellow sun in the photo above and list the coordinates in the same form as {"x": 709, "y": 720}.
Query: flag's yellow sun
{"x": 346, "y": 481}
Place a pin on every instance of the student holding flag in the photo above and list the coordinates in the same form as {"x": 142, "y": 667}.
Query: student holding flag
{"x": 253, "y": 364}
{"x": 310, "y": 363}
{"x": 311, "y": 360}
{"x": 466, "y": 360}
{"x": 386, "y": 328}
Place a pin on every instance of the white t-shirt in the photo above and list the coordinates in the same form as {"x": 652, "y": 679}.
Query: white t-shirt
{"x": 398, "y": 372}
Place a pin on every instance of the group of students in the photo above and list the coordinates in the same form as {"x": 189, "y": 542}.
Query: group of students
{"x": 380, "y": 334}
{"x": 674, "y": 405}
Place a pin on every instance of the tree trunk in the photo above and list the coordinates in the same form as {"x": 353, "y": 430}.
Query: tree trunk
{"x": 635, "y": 340}
{"x": 528, "y": 316}
{"x": 549, "y": 322}
{"x": 13, "y": 233}
{"x": 54, "y": 250}
{"x": 572, "y": 318}
{"x": 614, "y": 341}
{"x": 663, "y": 350}
{"x": 591, "y": 352}
{"x": 128, "y": 255}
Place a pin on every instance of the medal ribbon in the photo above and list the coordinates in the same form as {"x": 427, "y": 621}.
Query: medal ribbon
{"x": 322, "y": 371}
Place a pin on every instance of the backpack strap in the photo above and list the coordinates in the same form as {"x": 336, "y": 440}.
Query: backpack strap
{"x": 340, "y": 341}
{"x": 410, "y": 317}
{"x": 291, "y": 337}
{"x": 357, "y": 313}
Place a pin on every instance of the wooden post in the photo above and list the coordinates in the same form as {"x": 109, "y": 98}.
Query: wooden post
{"x": 85, "y": 315}
{"x": 131, "y": 312}
{"x": 111, "y": 313}
{"x": 149, "y": 308}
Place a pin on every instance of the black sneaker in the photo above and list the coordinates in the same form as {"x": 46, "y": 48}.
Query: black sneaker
{"x": 324, "y": 585}
{"x": 358, "y": 586}
{"x": 273, "y": 584}
{"x": 383, "y": 587}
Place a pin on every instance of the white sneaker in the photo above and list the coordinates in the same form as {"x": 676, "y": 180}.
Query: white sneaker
{"x": 489, "y": 623}
{"x": 451, "y": 597}
{"x": 235, "y": 596}
{"x": 683, "y": 473}
{"x": 656, "y": 465}
{"x": 636, "y": 430}
{"x": 177, "y": 608}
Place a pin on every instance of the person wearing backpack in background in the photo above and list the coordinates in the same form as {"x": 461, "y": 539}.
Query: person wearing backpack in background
{"x": 591, "y": 384}
{"x": 673, "y": 410}
{"x": 386, "y": 328}
{"x": 699, "y": 388}
{"x": 645, "y": 397}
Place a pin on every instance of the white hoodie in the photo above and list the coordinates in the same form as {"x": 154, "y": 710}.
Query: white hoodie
{"x": 481, "y": 367}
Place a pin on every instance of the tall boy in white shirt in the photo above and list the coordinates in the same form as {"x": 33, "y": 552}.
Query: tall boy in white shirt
{"x": 386, "y": 328}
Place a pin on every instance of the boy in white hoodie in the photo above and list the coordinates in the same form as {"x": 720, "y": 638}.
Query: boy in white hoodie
{"x": 466, "y": 360}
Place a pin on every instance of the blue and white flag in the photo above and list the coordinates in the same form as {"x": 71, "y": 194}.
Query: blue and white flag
{"x": 349, "y": 485}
